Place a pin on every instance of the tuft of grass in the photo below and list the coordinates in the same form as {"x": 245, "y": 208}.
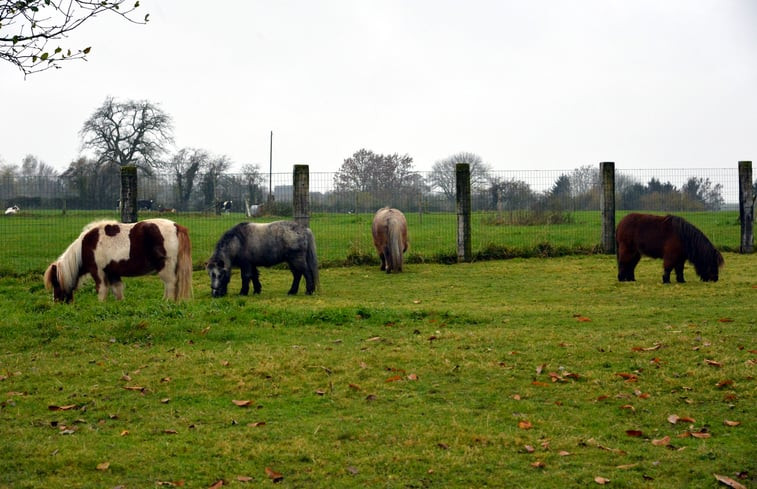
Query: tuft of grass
{"x": 518, "y": 373}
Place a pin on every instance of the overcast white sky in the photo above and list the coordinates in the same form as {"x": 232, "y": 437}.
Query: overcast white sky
{"x": 533, "y": 84}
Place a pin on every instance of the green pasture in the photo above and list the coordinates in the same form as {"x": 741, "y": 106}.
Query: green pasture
{"x": 33, "y": 239}
{"x": 508, "y": 373}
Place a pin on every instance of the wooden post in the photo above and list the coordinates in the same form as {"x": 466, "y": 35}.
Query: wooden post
{"x": 746, "y": 207}
{"x": 607, "y": 206}
{"x": 463, "y": 204}
{"x": 301, "y": 197}
{"x": 128, "y": 202}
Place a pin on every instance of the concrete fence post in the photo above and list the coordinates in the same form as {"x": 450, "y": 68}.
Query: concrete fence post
{"x": 301, "y": 197}
{"x": 463, "y": 205}
{"x": 607, "y": 206}
{"x": 128, "y": 203}
{"x": 746, "y": 207}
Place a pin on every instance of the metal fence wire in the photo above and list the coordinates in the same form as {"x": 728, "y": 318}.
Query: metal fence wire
{"x": 514, "y": 212}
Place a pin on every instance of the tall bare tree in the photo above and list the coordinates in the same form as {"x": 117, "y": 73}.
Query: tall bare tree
{"x": 30, "y": 30}
{"x": 443, "y": 173}
{"x": 184, "y": 167}
{"x": 128, "y": 133}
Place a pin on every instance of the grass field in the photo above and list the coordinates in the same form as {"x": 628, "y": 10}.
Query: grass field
{"x": 512, "y": 373}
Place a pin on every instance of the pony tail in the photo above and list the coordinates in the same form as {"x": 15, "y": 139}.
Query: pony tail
{"x": 312, "y": 260}
{"x": 183, "y": 265}
{"x": 395, "y": 245}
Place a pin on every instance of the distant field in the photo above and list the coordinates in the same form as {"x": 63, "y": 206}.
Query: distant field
{"x": 32, "y": 239}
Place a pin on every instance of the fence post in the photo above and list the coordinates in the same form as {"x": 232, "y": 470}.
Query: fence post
{"x": 301, "y": 197}
{"x": 607, "y": 206}
{"x": 463, "y": 204}
{"x": 128, "y": 203}
{"x": 746, "y": 207}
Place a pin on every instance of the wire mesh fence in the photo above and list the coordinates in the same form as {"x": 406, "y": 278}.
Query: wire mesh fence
{"x": 515, "y": 213}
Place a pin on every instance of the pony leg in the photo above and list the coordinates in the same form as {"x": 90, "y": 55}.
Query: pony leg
{"x": 383, "y": 262}
{"x": 168, "y": 276}
{"x": 255, "y": 276}
{"x": 627, "y": 266}
{"x": 247, "y": 274}
{"x": 102, "y": 290}
{"x": 679, "y": 273}
{"x": 117, "y": 288}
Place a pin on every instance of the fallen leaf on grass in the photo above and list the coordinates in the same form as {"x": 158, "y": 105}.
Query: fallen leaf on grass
{"x": 538, "y": 464}
{"x": 217, "y": 485}
{"x": 134, "y": 388}
{"x": 103, "y": 466}
{"x": 179, "y": 483}
{"x": 725, "y": 320}
{"x": 529, "y": 449}
{"x": 273, "y": 475}
{"x": 525, "y": 425}
{"x": 354, "y": 387}
{"x": 650, "y": 348}
{"x": 628, "y": 406}
{"x": 634, "y": 433}
{"x": 540, "y": 368}
{"x": 662, "y": 442}
{"x": 393, "y": 378}
{"x": 713, "y": 363}
{"x": 124, "y": 433}
{"x": 729, "y": 482}
{"x": 628, "y": 377}
{"x": 563, "y": 453}
{"x": 352, "y": 470}
{"x": 244, "y": 478}
{"x": 724, "y": 383}
{"x": 61, "y": 408}
{"x": 700, "y": 434}
{"x": 170, "y": 432}
{"x": 412, "y": 377}
{"x": 443, "y": 446}
{"x": 240, "y": 403}
{"x": 731, "y": 423}
{"x": 256, "y": 424}
{"x": 601, "y": 480}
{"x": 582, "y": 319}
{"x": 626, "y": 466}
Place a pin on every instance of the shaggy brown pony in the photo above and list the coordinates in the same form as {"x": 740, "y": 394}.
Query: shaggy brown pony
{"x": 390, "y": 238}
{"x": 668, "y": 237}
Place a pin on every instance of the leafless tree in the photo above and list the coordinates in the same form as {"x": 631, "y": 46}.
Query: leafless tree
{"x": 443, "y": 173}
{"x": 128, "y": 133}
{"x": 31, "y": 29}
{"x": 184, "y": 167}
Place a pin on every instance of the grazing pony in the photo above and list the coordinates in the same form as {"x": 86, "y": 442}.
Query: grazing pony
{"x": 249, "y": 245}
{"x": 668, "y": 237}
{"x": 109, "y": 250}
{"x": 390, "y": 238}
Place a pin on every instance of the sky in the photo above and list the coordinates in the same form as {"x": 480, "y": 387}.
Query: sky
{"x": 537, "y": 84}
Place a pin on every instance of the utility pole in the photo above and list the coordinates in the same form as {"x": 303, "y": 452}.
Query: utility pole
{"x": 270, "y": 170}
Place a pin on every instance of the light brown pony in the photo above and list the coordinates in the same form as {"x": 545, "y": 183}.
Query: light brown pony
{"x": 390, "y": 238}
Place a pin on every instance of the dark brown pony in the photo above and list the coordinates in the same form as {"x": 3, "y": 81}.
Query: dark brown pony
{"x": 109, "y": 250}
{"x": 668, "y": 237}
{"x": 390, "y": 238}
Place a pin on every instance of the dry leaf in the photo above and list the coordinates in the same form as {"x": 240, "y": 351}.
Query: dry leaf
{"x": 217, "y": 485}
{"x": 725, "y": 320}
{"x": 354, "y": 387}
{"x": 165, "y": 400}
{"x": 633, "y": 432}
{"x": 700, "y": 434}
{"x": 412, "y": 377}
{"x": 538, "y": 464}
{"x": 375, "y": 338}
{"x": 443, "y": 446}
{"x": 724, "y": 383}
{"x": 124, "y": 432}
{"x": 731, "y": 423}
{"x": 626, "y": 467}
{"x": 673, "y": 419}
{"x": 729, "y": 482}
{"x": 352, "y": 470}
{"x": 244, "y": 478}
{"x": 529, "y": 449}
{"x": 516, "y": 397}
{"x": 134, "y": 388}
{"x": 61, "y": 408}
{"x": 103, "y": 466}
{"x": 628, "y": 406}
{"x": 256, "y": 424}
{"x": 713, "y": 363}
{"x": 540, "y": 368}
{"x": 563, "y": 453}
{"x": 582, "y": 319}
{"x": 628, "y": 377}
{"x": 170, "y": 432}
{"x": 525, "y": 425}
{"x": 245, "y": 403}
{"x": 601, "y": 480}
{"x": 394, "y": 378}
{"x": 662, "y": 442}
{"x": 273, "y": 475}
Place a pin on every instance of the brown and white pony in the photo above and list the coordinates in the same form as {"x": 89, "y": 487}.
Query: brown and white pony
{"x": 390, "y": 238}
{"x": 109, "y": 250}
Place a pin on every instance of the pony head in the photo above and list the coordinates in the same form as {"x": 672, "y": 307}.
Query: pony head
{"x": 220, "y": 275}
{"x": 708, "y": 267}
{"x": 53, "y": 281}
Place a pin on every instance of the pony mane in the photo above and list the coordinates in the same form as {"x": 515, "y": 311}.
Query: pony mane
{"x": 699, "y": 249}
